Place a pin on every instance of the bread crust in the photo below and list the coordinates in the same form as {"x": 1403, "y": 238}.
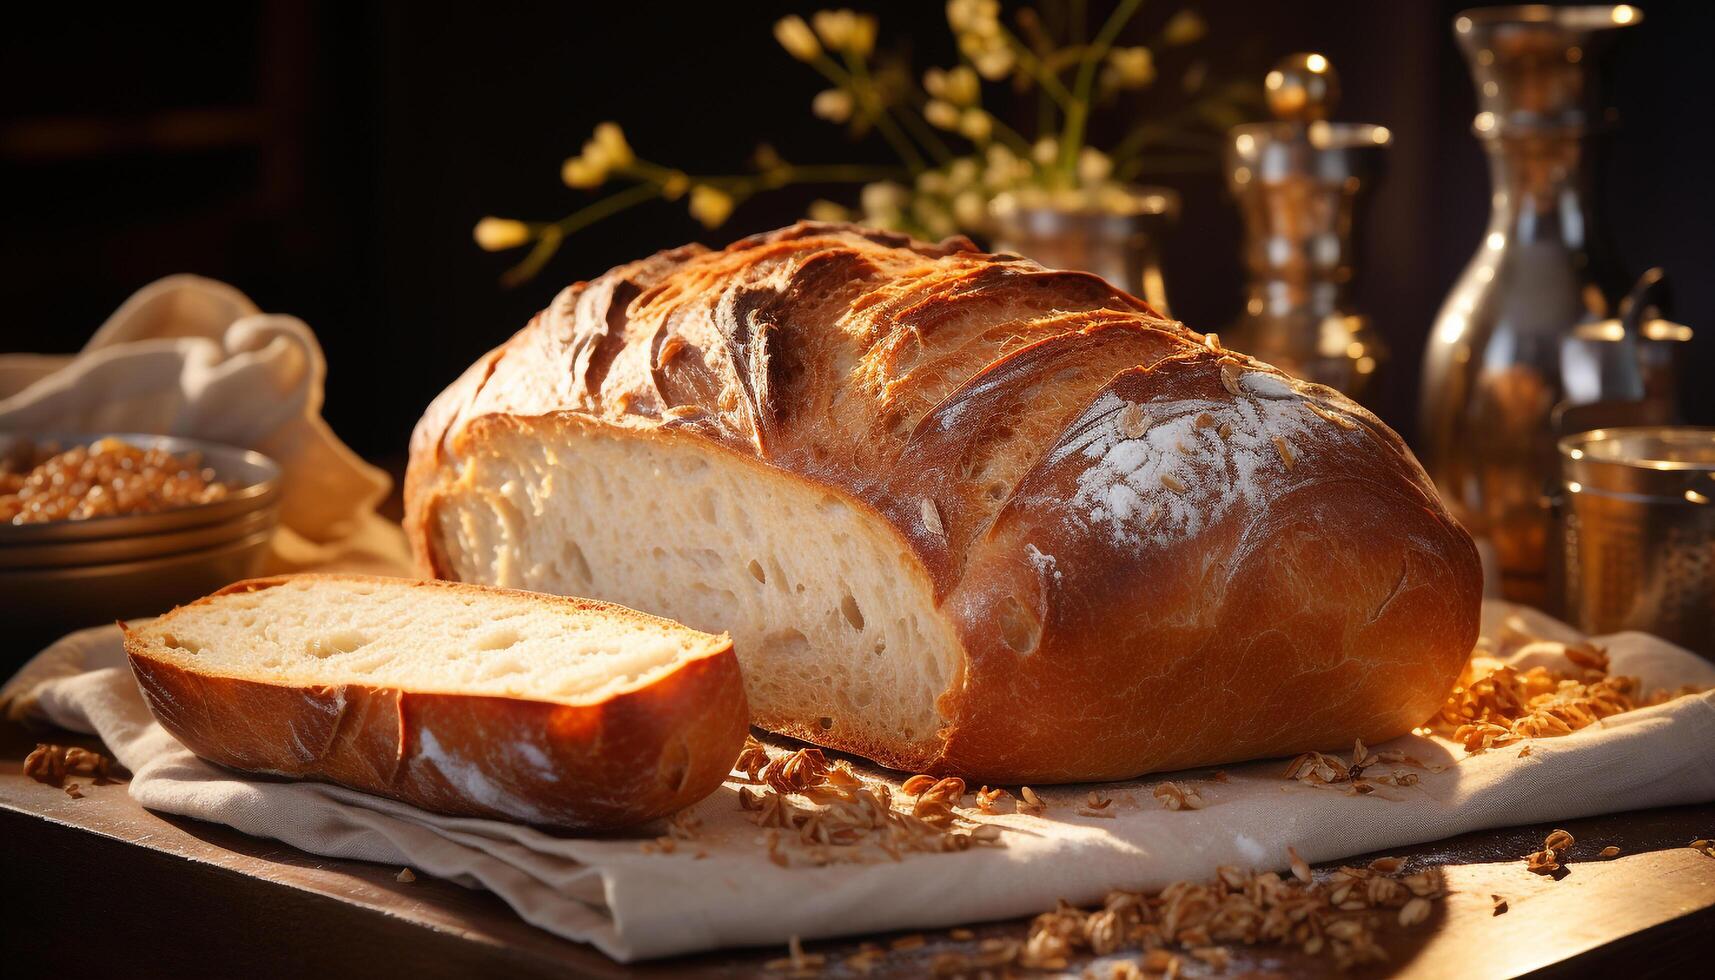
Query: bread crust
{"x": 626, "y": 759}
{"x": 1156, "y": 553}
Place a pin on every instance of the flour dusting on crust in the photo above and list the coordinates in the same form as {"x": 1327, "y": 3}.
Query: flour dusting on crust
{"x": 1188, "y": 461}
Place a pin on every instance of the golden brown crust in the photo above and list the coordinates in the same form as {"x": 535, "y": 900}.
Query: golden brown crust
{"x": 1157, "y": 553}
{"x": 632, "y": 757}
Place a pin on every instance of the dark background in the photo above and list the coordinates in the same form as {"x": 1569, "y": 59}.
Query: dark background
{"x": 330, "y": 159}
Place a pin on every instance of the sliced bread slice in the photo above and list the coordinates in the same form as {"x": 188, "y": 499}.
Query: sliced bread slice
{"x": 460, "y": 699}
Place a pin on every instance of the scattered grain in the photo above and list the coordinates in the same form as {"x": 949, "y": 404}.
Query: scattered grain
{"x": 1176, "y": 797}
{"x": 1133, "y": 423}
{"x": 932, "y": 518}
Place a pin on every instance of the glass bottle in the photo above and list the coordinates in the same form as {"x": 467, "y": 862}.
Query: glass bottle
{"x": 1494, "y": 368}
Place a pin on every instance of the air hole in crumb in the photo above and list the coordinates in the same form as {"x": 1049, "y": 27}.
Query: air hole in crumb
{"x": 502, "y": 666}
{"x": 757, "y": 573}
{"x": 825, "y": 723}
{"x": 849, "y": 609}
{"x": 708, "y": 511}
{"x": 580, "y": 565}
{"x": 788, "y": 645}
{"x": 498, "y": 640}
{"x": 344, "y": 641}
{"x": 1019, "y": 627}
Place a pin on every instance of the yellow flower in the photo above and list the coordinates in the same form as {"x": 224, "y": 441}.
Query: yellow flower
{"x": 615, "y": 150}
{"x": 884, "y": 197}
{"x": 975, "y": 125}
{"x": 1093, "y": 165}
{"x": 862, "y": 42}
{"x": 994, "y": 61}
{"x": 498, "y": 234}
{"x": 1003, "y": 168}
{"x": 595, "y": 155}
{"x": 1046, "y": 151}
{"x": 970, "y": 209}
{"x": 962, "y": 172}
{"x": 1130, "y": 67}
{"x": 834, "y": 27}
{"x": 675, "y": 186}
{"x": 959, "y": 86}
{"x": 932, "y": 182}
{"x": 973, "y": 16}
{"x": 581, "y": 171}
{"x": 710, "y": 205}
{"x": 796, "y": 37}
{"x": 834, "y": 105}
{"x": 1183, "y": 28}
{"x": 829, "y": 211}
{"x": 943, "y": 115}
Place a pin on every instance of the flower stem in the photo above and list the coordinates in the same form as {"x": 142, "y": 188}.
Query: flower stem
{"x": 549, "y": 237}
{"x": 875, "y": 113}
{"x": 1078, "y": 114}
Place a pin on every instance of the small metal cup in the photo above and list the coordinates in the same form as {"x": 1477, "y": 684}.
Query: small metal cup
{"x": 1638, "y": 531}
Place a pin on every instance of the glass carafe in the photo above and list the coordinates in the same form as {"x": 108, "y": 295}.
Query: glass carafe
{"x": 1494, "y": 369}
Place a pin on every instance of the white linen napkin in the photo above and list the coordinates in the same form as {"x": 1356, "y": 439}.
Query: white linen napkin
{"x": 721, "y": 890}
{"x": 188, "y": 356}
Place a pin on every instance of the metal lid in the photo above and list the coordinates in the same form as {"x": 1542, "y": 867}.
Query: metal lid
{"x": 1303, "y": 89}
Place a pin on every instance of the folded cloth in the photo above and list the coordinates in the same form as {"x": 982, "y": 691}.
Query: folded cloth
{"x": 187, "y": 356}
{"x": 717, "y": 887}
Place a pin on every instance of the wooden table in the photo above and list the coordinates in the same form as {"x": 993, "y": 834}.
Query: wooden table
{"x": 113, "y": 890}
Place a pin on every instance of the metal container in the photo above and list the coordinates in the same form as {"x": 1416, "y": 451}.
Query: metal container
{"x": 1117, "y": 236}
{"x": 1637, "y": 522}
{"x": 1298, "y": 182}
{"x": 255, "y": 479}
{"x": 136, "y": 547}
{"x": 1494, "y": 369}
{"x": 59, "y": 576}
{"x": 48, "y": 602}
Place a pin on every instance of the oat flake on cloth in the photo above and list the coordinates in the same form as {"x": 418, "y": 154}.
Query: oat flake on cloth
{"x": 635, "y": 905}
{"x": 188, "y": 356}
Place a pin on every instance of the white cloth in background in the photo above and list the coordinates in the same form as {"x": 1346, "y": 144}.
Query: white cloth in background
{"x": 187, "y": 356}
{"x": 635, "y": 905}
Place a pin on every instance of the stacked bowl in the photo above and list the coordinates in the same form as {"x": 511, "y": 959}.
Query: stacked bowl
{"x": 61, "y": 575}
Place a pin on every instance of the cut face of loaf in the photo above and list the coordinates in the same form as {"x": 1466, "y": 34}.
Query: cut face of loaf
{"x": 457, "y": 698}
{"x": 836, "y": 624}
{"x": 962, "y": 514}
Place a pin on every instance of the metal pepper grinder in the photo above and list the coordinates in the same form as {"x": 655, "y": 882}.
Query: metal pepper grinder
{"x": 1298, "y": 181}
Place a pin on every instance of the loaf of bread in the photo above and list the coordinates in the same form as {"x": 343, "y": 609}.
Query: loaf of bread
{"x": 960, "y": 513}
{"x": 459, "y": 699}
